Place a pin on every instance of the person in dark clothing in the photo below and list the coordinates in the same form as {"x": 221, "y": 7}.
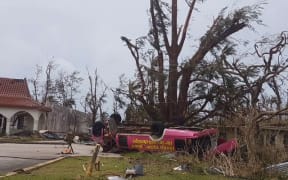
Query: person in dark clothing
{"x": 69, "y": 139}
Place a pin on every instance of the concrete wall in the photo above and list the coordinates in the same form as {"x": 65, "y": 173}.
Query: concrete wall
{"x": 274, "y": 138}
{"x": 62, "y": 119}
{"x": 267, "y": 137}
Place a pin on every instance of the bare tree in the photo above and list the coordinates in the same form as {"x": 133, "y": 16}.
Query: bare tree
{"x": 67, "y": 86}
{"x": 240, "y": 86}
{"x": 95, "y": 98}
{"x": 36, "y": 82}
{"x": 267, "y": 72}
{"x": 49, "y": 89}
{"x": 250, "y": 81}
{"x": 174, "y": 84}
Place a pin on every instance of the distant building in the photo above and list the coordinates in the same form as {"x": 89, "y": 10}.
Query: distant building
{"x": 18, "y": 111}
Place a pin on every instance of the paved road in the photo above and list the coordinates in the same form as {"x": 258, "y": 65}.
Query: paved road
{"x": 17, "y": 156}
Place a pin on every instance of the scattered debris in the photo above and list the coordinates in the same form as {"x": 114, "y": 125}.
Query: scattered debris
{"x": 178, "y": 168}
{"x": 67, "y": 150}
{"x": 115, "y": 178}
{"x": 137, "y": 170}
{"x": 21, "y": 171}
{"x": 215, "y": 170}
{"x": 130, "y": 173}
{"x": 49, "y": 135}
{"x": 76, "y": 139}
{"x": 227, "y": 147}
{"x": 280, "y": 168}
{"x": 184, "y": 167}
{"x": 169, "y": 156}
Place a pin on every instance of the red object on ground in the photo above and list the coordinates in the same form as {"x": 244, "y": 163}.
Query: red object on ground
{"x": 226, "y": 147}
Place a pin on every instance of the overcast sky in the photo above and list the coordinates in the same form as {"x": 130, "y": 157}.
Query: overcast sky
{"x": 80, "y": 34}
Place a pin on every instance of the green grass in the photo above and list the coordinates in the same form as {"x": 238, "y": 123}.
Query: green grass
{"x": 156, "y": 167}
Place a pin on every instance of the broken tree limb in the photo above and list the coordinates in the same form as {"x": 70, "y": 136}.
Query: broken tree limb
{"x": 93, "y": 160}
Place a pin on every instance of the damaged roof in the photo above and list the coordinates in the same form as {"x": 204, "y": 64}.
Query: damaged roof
{"x": 15, "y": 93}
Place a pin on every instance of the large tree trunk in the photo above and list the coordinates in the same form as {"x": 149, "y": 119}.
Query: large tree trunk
{"x": 161, "y": 88}
{"x": 186, "y": 78}
{"x": 173, "y": 65}
{"x": 172, "y": 89}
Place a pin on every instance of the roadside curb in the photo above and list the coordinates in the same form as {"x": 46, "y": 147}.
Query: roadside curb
{"x": 36, "y": 142}
{"x": 35, "y": 166}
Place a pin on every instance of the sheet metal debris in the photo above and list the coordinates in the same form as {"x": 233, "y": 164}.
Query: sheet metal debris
{"x": 281, "y": 168}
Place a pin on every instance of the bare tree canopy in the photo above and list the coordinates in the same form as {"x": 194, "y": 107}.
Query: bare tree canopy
{"x": 61, "y": 89}
{"x": 96, "y": 96}
{"x": 164, "y": 87}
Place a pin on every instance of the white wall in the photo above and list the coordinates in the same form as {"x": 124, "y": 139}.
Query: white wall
{"x": 9, "y": 112}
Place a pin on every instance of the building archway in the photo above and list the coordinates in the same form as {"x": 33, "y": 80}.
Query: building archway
{"x": 3, "y": 122}
{"x": 21, "y": 121}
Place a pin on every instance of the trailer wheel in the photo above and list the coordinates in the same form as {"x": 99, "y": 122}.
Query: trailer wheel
{"x": 157, "y": 129}
{"x": 109, "y": 145}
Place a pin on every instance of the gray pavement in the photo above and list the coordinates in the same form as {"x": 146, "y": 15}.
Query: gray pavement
{"x": 18, "y": 156}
